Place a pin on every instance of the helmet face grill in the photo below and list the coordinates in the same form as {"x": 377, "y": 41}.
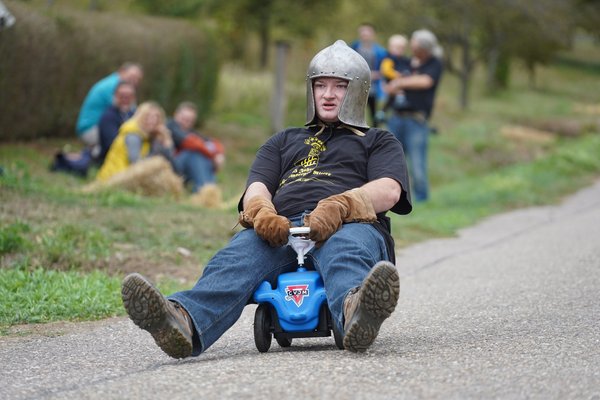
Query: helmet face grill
{"x": 341, "y": 61}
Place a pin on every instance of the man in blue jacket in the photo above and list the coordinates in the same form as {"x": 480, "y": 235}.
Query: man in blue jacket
{"x": 99, "y": 98}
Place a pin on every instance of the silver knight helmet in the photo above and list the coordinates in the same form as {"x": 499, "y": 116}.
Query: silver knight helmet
{"x": 341, "y": 61}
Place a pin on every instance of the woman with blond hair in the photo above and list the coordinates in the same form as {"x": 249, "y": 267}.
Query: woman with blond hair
{"x": 144, "y": 134}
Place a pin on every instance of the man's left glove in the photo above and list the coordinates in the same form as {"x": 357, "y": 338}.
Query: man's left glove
{"x": 351, "y": 206}
{"x": 260, "y": 214}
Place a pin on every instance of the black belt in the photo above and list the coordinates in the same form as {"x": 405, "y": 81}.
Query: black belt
{"x": 417, "y": 115}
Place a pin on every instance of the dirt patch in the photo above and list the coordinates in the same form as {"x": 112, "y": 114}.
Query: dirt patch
{"x": 186, "y": 272}
{"x": 564, "y": 127}
{"x": 589, "y": 109}
{"x": 526, "y": 134}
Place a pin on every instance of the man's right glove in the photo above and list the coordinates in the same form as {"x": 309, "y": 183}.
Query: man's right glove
{"x": 260, "y": 214}
{"x": 350, "y": 206}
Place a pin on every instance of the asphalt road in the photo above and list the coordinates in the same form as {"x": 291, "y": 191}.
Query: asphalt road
{"x": 510, "y": 309}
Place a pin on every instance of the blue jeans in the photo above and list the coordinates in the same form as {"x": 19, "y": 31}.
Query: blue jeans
{"x": 195, "y": 168}
{"x": 414, "y": 136}
{"x": 230, "y": 278}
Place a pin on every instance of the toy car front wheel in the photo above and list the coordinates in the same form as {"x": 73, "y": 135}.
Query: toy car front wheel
{"x": 262, "y": 328}
{"x": 283, "y": 342}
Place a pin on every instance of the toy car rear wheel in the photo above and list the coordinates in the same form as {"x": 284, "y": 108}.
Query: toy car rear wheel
{"x": 283, "y": 342}
{"x": 338, "y": 336}
{"x": 262, "y": 328}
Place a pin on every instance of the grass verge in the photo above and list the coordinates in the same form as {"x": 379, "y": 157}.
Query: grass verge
{"x": 544, "y": 181}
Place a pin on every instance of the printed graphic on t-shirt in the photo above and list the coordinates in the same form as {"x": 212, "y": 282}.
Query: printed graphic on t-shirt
{"x": 306, "y": 168}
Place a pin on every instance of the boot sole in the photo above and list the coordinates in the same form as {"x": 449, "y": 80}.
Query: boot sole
{"x": 147, "y": 309}
{"x": 379, "y": 295}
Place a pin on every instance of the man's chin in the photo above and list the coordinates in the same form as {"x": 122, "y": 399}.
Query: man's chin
{"x": 329, "y": 119}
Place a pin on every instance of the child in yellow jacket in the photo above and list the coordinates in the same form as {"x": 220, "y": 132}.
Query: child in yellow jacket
{"x": 395, "y": 65}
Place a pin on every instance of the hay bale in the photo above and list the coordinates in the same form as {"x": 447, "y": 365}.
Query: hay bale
{"x": 208, "y": 196}
{"x": 151, "y": 176}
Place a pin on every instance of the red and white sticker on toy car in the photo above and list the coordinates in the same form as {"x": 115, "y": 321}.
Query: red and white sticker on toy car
{"x": 296, "y": 293}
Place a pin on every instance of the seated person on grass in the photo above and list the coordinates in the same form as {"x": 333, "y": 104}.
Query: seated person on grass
{"x": 143, "y": 135}
{"x": 197, "y": 157}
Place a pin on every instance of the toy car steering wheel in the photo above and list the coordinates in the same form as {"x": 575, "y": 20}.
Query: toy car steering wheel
{"x": 300, "y": 242}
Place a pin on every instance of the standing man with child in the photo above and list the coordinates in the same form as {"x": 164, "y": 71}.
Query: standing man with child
{"x": 409, "y": 121}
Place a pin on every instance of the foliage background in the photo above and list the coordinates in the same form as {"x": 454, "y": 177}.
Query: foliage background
{"x": 51, "y": 57}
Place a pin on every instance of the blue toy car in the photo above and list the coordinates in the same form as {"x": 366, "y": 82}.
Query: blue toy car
{"x": 297, "y": 307}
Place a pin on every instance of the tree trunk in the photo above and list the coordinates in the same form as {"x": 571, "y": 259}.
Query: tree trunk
{"x": 264, "y": 45}
{"x": 264, "y": 31}
{"x": 465, "y": 74}
{"x": 279, "y": 99}
{"x": 493, "y": 56}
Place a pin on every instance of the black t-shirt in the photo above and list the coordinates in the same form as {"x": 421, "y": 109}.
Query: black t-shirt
{"x": 422, "y": 100}
{"x": 299, "y": 168}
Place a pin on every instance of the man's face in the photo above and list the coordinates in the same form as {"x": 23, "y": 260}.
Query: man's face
{"x": 125, "y": 97}
{"x": 133, "y": 75}
{"x": 366, "y": 34}
{"x": 186, "y": 118}
{"x": 329, "y": 94}
{"x": 417, "y": 50}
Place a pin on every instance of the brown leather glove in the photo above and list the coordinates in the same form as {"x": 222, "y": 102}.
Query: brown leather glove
{"x": 261, "y": 215}
{"x": 351, "y": 206}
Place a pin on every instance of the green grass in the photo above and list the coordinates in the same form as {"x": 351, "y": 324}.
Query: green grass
{"x": 63, "y": 253}
{"x": 543, "y": 181}
{"x": 45, "y": 295}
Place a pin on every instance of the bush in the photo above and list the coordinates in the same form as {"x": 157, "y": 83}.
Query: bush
{"x": 50, "y": 59}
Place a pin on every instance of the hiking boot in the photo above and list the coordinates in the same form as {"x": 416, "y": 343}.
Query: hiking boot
{"x": 366, "y": 307}
{"x": 168, "y": 323}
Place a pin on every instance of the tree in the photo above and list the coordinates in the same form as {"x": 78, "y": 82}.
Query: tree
{"x": 456, "y": 23}
{"x": 538, "y": 31}
{"x": 495, "y": 32}
{"x": 270, "y": 20}
{"x": 588, "y": 15}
